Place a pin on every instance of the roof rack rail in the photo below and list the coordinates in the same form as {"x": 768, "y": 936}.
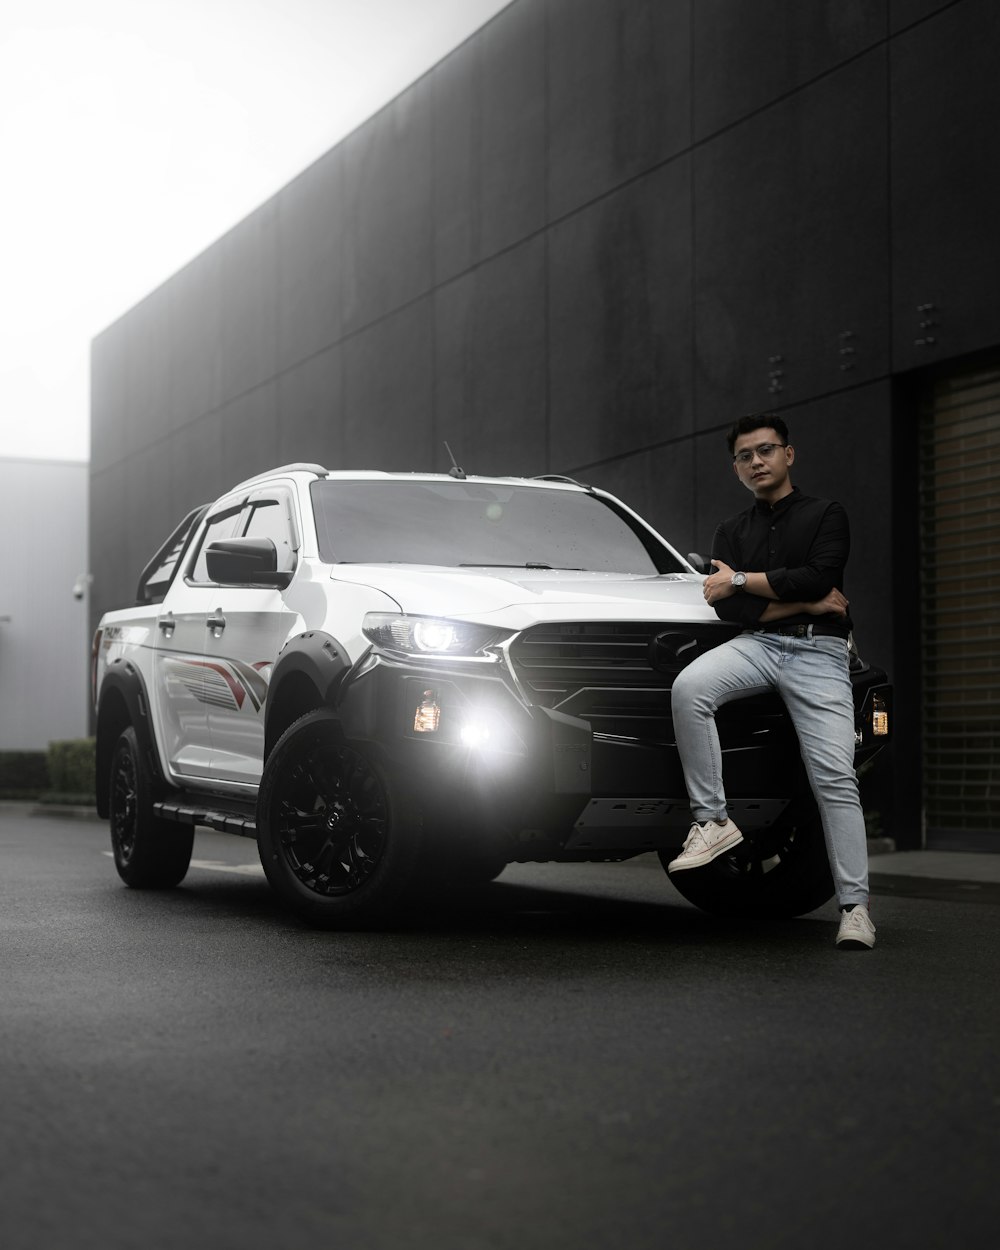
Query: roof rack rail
{"x": 298, "y": 467}
{"x": 559, "y": 477}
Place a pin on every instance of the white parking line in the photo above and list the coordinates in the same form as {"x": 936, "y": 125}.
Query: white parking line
{"x": 216, "y": 865}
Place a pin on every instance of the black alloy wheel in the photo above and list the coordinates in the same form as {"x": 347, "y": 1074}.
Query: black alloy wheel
{"x": 332, "y": 819}
{"x": 337, "y": 838}
{"x": 150, "y": 853}
{"x": 124, "y": 804}
{"x": 775, "y": 873}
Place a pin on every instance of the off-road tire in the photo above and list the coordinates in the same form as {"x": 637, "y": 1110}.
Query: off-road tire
{"x": 776, "y": 873}
{"x": 150, "y": 853}
{"x": 338, "y": 837}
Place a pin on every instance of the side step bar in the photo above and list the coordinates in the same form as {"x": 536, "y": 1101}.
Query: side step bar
{"x": 242, "y": 823}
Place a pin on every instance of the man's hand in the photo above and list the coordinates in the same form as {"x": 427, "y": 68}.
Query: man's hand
{"x": 719, "y": 585}
{"x": 833, "y": 603}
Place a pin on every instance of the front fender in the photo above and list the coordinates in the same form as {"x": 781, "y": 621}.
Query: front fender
{"x": 122, "y": 701}
{"x": 307, "y": 674}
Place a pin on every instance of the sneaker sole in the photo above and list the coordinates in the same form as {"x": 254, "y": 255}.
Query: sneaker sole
{"x": 706, "y": 857}
{"x": 855, "y": 944}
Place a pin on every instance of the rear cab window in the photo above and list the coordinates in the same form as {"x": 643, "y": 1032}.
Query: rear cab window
{"x": 156, "y": 577}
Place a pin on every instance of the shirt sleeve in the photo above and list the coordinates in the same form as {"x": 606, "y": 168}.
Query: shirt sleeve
{"x": 826, "y": 560}
{"x": 742, "y": 608}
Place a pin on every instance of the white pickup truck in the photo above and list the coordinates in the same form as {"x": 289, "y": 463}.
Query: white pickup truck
{"x": 393, "y": 681}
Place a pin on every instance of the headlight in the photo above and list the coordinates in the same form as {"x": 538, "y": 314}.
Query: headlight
{"x": 428, "y": 635}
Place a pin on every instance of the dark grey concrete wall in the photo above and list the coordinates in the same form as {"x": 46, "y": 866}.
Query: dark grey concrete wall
{"x": 583, "y": 243}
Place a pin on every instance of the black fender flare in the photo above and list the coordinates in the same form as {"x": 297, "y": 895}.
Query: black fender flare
{"x": 122, "y": 701}
{"x": 314, "y": 659}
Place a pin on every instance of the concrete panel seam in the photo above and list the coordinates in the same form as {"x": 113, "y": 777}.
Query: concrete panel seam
{"x": 818, "y": 397}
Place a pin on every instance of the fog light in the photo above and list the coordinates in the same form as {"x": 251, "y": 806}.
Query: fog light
{"x": 880, "y": 717}
{"x": 427, "y": 717}
{"x": 474, "y": 734}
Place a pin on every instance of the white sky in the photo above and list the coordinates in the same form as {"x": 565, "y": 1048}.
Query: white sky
{"x": 133, "y": 133}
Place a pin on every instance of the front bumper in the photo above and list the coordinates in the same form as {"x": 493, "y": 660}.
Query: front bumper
{"x": 486, "y": 761}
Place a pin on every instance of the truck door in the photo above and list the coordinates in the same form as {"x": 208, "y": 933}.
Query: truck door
{"x": 184, "y": 684}
{"x": 246, "y": 630}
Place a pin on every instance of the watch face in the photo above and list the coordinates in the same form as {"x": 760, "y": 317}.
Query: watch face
{"x": 739, "y": 579}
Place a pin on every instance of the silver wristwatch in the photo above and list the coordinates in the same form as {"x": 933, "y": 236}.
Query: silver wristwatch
{"x": 738, "y": 581}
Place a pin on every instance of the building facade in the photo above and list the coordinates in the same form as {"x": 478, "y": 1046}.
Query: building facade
{"x": 586, "y": 241}
{"x": 44, "y": 630}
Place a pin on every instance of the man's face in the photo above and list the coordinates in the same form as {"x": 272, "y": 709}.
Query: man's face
{"x": 761, "y": 461}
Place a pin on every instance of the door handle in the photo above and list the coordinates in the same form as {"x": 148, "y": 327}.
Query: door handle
{"x": 166, "y": 625}
{"x": 216, "y": 623}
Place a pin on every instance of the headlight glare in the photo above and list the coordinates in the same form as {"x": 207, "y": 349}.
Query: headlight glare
{"x": 433, "y": 636}
{"x": 475, "y": 734}
{"x": 428, "y": 635}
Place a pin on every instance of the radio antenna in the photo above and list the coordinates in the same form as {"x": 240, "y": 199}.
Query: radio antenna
{"x": 454, "y": 471}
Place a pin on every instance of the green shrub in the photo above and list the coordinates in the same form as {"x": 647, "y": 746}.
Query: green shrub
{"x": 23, "y": 774}
{"x": 71, "y": 767}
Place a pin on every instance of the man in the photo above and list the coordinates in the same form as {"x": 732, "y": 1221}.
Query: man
{"x": 779, "y": 572}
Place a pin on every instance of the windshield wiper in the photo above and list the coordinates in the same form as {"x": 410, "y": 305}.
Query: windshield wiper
{"x": 531, "y": 564}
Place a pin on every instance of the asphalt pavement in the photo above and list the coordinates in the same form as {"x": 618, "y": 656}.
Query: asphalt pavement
{"x": 967, "y": 876}
{"x": 573, "y": 1057}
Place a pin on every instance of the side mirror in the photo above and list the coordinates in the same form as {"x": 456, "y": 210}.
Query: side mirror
{"x": 702, "y": 563}
{"x": 245, "y": 562}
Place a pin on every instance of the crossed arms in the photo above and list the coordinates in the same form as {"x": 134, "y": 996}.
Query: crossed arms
{"x": 719, "y": 586}
{"x": 810, "y": 589}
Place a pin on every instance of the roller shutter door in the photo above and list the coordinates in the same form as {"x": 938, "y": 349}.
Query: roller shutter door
{"x": 960, "y": 601}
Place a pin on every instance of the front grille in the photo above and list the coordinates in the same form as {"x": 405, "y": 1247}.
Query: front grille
{"x": 616, "y": 675}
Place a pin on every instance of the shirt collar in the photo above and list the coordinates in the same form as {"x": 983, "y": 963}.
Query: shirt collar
{"x": 761, "y": 505}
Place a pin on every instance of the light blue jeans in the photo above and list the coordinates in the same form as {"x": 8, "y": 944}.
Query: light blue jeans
{"x": 811, "y": 676}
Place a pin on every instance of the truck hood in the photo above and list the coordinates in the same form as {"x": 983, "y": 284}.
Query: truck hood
{"x": 517, "y": 598}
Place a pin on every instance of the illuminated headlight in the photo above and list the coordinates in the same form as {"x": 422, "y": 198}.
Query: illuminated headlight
{"x": 475, "y": 734}
{"x": 428, "y": 635}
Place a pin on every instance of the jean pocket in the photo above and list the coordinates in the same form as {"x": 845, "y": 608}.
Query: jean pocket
{"x": 835, "y": 646}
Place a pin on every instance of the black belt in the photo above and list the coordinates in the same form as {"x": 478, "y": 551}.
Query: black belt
{"x": 804, "y": 631}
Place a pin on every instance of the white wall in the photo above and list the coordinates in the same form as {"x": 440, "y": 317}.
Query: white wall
{"x": 44, "y": 643}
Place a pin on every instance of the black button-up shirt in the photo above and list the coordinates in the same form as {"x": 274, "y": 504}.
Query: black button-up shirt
{"x": 801, "y": 544}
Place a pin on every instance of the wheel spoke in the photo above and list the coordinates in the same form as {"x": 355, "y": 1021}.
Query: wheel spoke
{"x": 301, "y": 822}
{"x": 332, "y": 819}
{"x": 125, "y": 804}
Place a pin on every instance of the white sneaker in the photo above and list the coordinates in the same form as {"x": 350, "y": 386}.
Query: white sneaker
{"x": 856, "y": 930}
{"x": 704, "y": 843}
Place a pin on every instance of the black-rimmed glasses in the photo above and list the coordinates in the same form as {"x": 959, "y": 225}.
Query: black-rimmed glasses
{"x": 765, "y": 451}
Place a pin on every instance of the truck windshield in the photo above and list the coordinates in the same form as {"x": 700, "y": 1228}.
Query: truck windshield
{"x": 474, "y": 524}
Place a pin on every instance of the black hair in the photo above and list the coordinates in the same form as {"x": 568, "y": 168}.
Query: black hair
{"x": 756, "y": 421}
